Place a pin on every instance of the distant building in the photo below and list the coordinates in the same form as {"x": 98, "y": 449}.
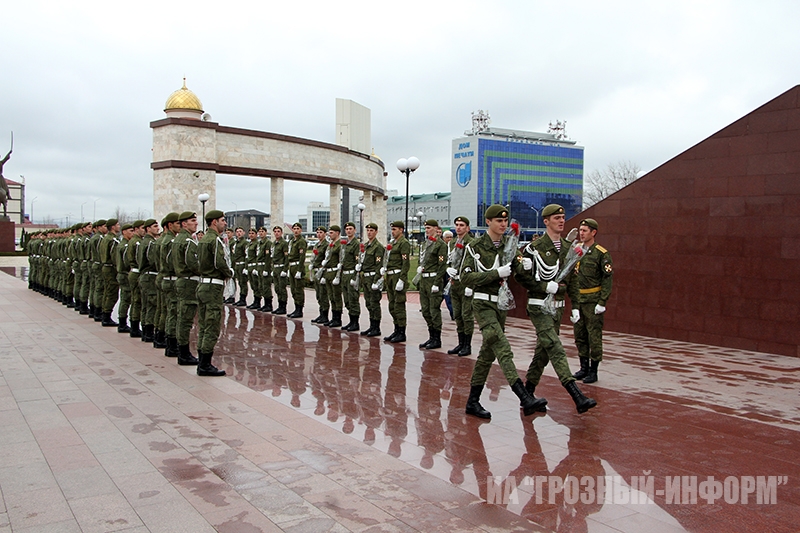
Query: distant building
{"x": 248, "y": 218}
{"x": 520, "y": 169}
{"x": 317, "y": 214}
{"x": 435, "y": 205}
{"x": 16, "y": 203}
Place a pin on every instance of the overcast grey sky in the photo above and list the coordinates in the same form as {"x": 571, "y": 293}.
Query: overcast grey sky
{"x": 635, "y": 80}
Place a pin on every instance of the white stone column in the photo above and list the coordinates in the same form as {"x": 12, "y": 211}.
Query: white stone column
{"x": 336, "y": 206}
{"x": 176, "y": 189}
{"x": 276, "y": 202}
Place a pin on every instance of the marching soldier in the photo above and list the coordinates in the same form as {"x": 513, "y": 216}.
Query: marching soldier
{"x": 370, "y": 266}
{"x": 543, "y": 258}
{"x": 332, "y": 277}
{"x": 462, "y": 303}
{"x": 187, "y": 270}
{"x": 239, "y": 260}
{"x": 484, "y": 270}
{"x": 280, "y": 269}
{"x": 265, "y": 268}
{"x": 109, "y": 271}
{"x": 349, "y": 277}
{"x": 396, "y": 272}
{"x": 133, "y": 278}
{"x": 589, "y": 290}
{"x": 432, "y": 267}
{"x": 214, "y": 270}
{"x": 123, "y": 270}
{"x": 317, "y": 270}
{"x": 145, "y": 262}
{"x": 297, "y": 270}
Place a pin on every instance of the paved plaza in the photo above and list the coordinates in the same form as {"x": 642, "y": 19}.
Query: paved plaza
{"x": 317, "y": 430}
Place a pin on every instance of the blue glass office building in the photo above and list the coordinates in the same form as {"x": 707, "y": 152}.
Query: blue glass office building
{"x": 523, "y": 170}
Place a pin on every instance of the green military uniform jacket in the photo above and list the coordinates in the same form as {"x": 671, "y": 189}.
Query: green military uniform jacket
{"x": 131, "y": 250}
{"x": 351, "y": 250}
{"x": 145, "y": 256}
{"x": 184, "y": 255}
{"x": 211, "y": 256}
{"x": 107, "y": 246}
{"x": 399, "y": 260}
{"x": 479, "y": 268}
{"x": 319, "y": 253}
{"x": 372, "y": 262}
{"x": 264, "y": 255}
{"x": 434, "y": 261}
{"x": 123, "y": 267}
{"x": 239, "y": 252}
{"x": 251, "y": 253}
{"x": 550, "y": 261}
{"x": 297, "y": 256}
{"x": 330, "y": 259}
{"x": 456, "y": 253}
{"x": 592, "y": 278}
{"x": 166, "y": 262}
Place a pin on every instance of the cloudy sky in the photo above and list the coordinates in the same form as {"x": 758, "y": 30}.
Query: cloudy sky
{"x": 638, "y": 81}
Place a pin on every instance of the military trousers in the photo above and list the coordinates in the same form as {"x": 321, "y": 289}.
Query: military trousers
{"x": 333, "y": 292}
{"x": 69, "y": 279}
{"x": 124, "y": 296}
{"x": 266, "y": 285}
{"x": 462, "y": 308}
{"x": 110, "y": 288}
{"x": 241, "y": 279}
{"x": 209, "y": 316}
{"x": 186, "y": 291}
{"x": 589, "y": 332}
{"x": 350, "y": 294}
{"x": 77, "y": 279}
{"x": 492, "y": 323}
{"x": 372, "y": 297}
{"x": 431, "y": 303}
{"x": 171, "y": 297}
{"x": 298, "y": 288}
{"x": 160, "y": 319}
{"x": 322, "y": 295}
{"x": 147, "y": 285}
{"x": 254, "y": 275}
{"x": 280, "y": 280}
{"x": 548, "y": 346}
{"x": 97, "y": 285}
{"x": 397, "y": 300}
{"x": 136, "y": 296}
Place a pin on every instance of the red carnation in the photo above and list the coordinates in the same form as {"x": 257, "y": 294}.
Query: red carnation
{"x": 331, "y": 244}
{"x": 343, "y": 241}
{"x": 515, "y": 228}
{"x": 388, "y": 246}
{"x": 316, "y": 252}
{"x": 459, "y": 245}
{"x": 362, "y": 247}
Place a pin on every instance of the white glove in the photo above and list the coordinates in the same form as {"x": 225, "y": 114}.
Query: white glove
{"x": 335, "y": 281}
{"x": 599, "y": 309}
{"x": 527, "y": 263}
{"x": 322, "y": 281}
{"x": 284, "y": 274}
{"x": 339, "y": 266}
{"x": 504, "y": 271}
{"x": 400, "y": 286}
{"x": 244, "y": 271}
{"x": 467, "y": 292}
{"x": 358, "y": 267}
{"x": 354, "y": 282}
{"x": 552, "y": 287}
{"x": 419, "y": 270}
{"x": 435, "y": 288}
{"x": 576, "y": 316}
{"x": 572, "y": 234}
{"x": 383, "y": 271}
{"x": 297, "y": 275}
{"x": 452, "y": 272}
{"x": 265, "y": 273}
{"x": 374, "y": 286}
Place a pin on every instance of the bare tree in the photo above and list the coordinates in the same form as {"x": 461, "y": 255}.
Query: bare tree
{"x": 599, "y": 184}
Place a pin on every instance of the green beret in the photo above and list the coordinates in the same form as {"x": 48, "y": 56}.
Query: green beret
{"x": 214, "y": 214}
{"x": 372, "y": 225}
{"x": 111, "y": 221}
{"x": 276, "y": 227}
{"x": 297, "y": 225}
{"x": 552, "y": 209}
{"x": 590, "y": 222}
{"x": 149, "y": 222}
{"x": 186, "y": 215}
{"x": 432, "y": 222}
{"x": 336, "y": 228}
{"x": 465, "y": 220}
{"x": 172, "y": 217}
{"x": 101, "y": 222}
{"x": 321, "y": 228}
{"x": 495, "y": 211}
{"x": 127, "y": 226}
{"x": 398, "y": 224}
{"x": 137, "y": 223}
{"x": 349, "y": 225}
{"x": 86, "y": 224}
{"x": 263, "y": 228}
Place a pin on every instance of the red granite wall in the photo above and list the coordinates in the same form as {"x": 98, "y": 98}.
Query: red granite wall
{"x": 706, "y": 246}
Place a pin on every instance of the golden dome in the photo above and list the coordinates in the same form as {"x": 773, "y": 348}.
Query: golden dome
{"x": 183, "y": 98}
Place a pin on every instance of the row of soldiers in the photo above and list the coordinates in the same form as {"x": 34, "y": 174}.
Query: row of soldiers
{"x": 154, "y": 275}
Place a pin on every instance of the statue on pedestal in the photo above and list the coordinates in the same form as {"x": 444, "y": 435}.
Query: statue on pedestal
{"x": 5, "y": 194}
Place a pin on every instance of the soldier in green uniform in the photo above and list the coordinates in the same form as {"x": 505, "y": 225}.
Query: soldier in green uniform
{"x": 331, "y": 279}
{"x": 484, "y": 270}
{"x": 82, "y": 273}
{"x": 264, "y": 264}
{"x": 230, "y": 240}
{"x": 145, "y": 261}
{"x": 544, "y": 257}
{"x": 187, "y": 270}
{"x": 168, "y": 289}
{"x": 133, "y": 278}
{"x": 251, "y": 271}
{"x": 396, "y": 276}
{"x": 431, "y": 269}
{"x": 297, "y": 270}
{"x": 349, "y": 277}
{"x": 369, "y": 266}
{"x": 214, "y": 270}
{"x": 589, "y": 290}
{"x": 462, "y": 303}
{"x": 280, "y": 269}
{"x": 96, "y": 285}
{"x": 109, "y": 271}
{"x": 69, "y": 268}
{"x": 239, "y": 260}
{"x": 123, "y": 269}
{"x": 160, "y": 321}
{"x": 317, "y": 271}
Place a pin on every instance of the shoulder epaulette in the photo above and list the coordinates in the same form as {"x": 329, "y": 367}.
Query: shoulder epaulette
{"x": 602, "y": 250}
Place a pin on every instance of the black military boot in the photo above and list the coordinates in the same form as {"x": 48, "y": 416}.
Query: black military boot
{"x": 107, "y": 322}
{"x": 297, "y": 313}
{"x": 172, "y": 347}
{"x": 281, "y": 310}
{"x": 322, "y": 318}
{"x": 527, "y": 402}
{"x": 336, "y": 321}
{"x": 582, "y": 403}
{"x": 459, "y": 346}
{"x": 98, "y": 314}
{"x": 229, "y": 300}
{"x": 136, "y": 333}
{"x": 371, "y": 330}
{"x": 584, "y": 371}
{"x": 185, "y": 357}
{"x": 267, "y": 307}
{"x": 78, "y": 306}
{"x": 430, "y": 339}
{"x": 159, "y": 340}
{"x": 147, "y": 333}
{"x": 70, "y": 302}
{"x": 92, "y": 311}
{"x": 204, "y": 366}
{"x": 401, "y": 335}
{"x": 354, "y": 324}
{"x": 393, "y": 334}
{"x": 123, "y": 325}
{"x": 256, "y": 303}
{"x": 591, "y": 377}
{"x": 474, "y": 406}
{"x": 436, "y": 341}
{"x": 242, "y": 300}
{"x": 467, "y": 348}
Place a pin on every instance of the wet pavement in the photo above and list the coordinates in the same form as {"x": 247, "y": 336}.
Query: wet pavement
{"x": 321, "y": 430}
